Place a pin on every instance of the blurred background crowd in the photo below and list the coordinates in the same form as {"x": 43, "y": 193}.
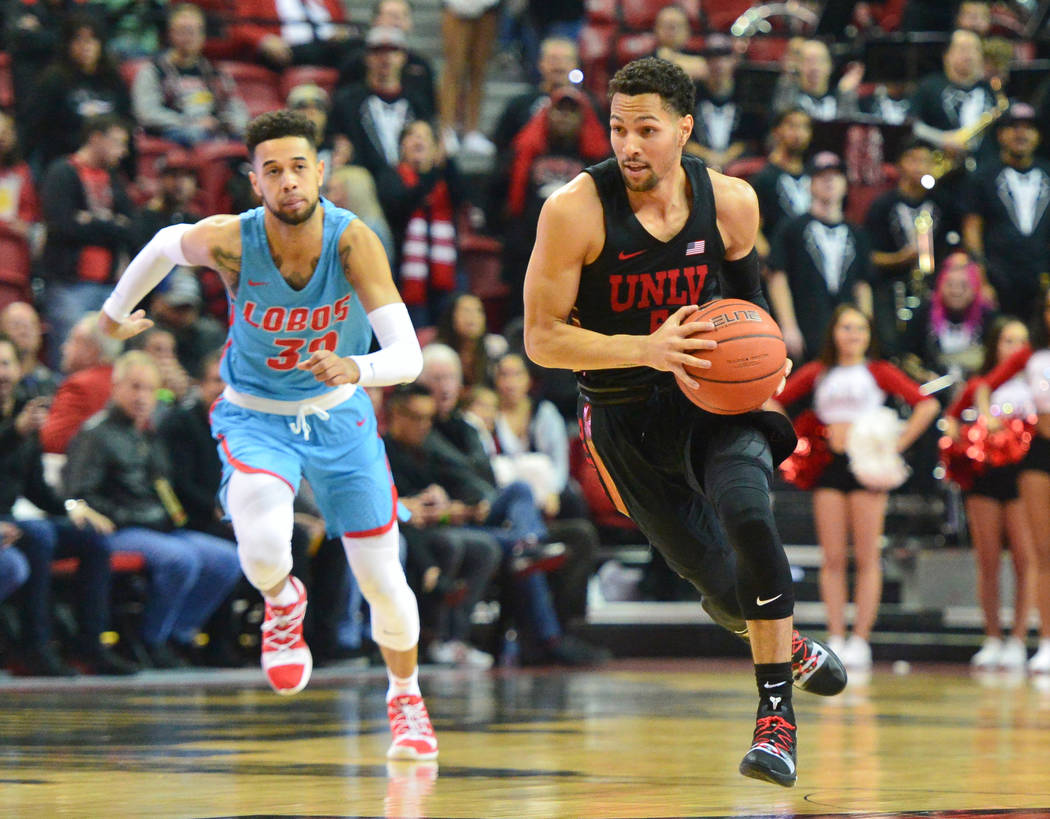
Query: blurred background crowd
{"x": 895, "y": 147}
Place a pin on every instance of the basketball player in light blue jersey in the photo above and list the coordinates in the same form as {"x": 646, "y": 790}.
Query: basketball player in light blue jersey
{"x": 308, "y": 284}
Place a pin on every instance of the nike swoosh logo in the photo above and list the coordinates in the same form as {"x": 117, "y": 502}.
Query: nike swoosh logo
{"x": 625, "y": 256}
{"x": 759, "y": 601}
{"x": 773, "y": 685}
{"x": 361, "y": 423}
{"x": 255, "y": 284}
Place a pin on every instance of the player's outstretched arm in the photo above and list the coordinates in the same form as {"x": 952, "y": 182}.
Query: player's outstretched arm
{"x": 213, "y": 242}
{"x": 570, "y": 234}
{"x": 399, "y": 358}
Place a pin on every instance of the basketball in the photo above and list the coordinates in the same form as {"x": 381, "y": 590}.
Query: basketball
{"x": 746, "y": 366}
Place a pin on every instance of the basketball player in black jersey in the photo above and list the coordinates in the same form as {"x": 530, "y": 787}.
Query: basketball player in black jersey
{"x": 623, "y": 254}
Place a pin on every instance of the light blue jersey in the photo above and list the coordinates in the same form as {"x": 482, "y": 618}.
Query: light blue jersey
{"x": 275, "y": 327}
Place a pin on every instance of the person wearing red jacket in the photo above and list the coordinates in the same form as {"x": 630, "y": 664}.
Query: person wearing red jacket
{"x": 846, "y": 383}
{"x": 1034, "y": 483}
{"x": 992, "y": 498}
{"x": 311, "y": 32}
{"x": 87, "y": 359}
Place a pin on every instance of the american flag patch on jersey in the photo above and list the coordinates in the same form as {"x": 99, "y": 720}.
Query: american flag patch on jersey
{"x": 694, "y": 248}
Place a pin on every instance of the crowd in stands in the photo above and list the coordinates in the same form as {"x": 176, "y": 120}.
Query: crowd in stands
{"x": 906, "y": 187}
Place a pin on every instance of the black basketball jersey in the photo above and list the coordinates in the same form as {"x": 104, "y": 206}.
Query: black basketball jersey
{"x": 637, "y": 281}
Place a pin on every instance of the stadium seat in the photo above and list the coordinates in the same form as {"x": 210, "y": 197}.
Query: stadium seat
{"x": 596, "y": 43}
{"x": 860, "y": 196}
{"x": 746, "y": 167}
{"x": 602, "y": 12}
{"x": 7, "y": 88}
{"x": 721, "y": 15}
{"x": 259, "y": 87}
{"x": 129, "y": 68}
{"x": 632, "y": 46}
{"x": 214, "y": 172}
{"x": 767, "y": 49}
{"x": 481, "y": 258}
{"x": 303, "y": 74}
{"x": 639, "y": 15}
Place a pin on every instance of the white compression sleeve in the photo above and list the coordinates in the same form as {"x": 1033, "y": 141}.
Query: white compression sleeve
{"x": 146, "y": 270}
{"x": 400, "y": 360}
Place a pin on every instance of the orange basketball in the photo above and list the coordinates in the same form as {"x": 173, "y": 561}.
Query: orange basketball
{"x": 746, "y": 366}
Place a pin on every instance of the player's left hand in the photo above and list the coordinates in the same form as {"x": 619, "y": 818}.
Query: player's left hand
{"x": 331, "y": 368}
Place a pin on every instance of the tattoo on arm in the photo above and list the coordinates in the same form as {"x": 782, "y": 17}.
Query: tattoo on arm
{"x": 228, "y": 266}
{"x": 344, "y": 258}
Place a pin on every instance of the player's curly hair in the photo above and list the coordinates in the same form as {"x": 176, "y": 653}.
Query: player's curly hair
{"x": 278, "y": 124}
{"x": 651, "y": 75}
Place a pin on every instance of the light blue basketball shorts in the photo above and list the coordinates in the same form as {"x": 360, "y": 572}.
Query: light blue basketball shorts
{"x": 342, "y": 456}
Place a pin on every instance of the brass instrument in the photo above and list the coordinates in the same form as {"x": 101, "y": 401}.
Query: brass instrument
{"x": 943, "y": 162}
{"x": 908, "y": 295}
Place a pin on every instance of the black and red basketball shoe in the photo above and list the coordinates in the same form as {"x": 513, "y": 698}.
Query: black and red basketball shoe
{"x": 815, "y": 667}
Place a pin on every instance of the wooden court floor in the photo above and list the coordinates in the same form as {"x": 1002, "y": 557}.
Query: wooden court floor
{"x": 635, "y": 739}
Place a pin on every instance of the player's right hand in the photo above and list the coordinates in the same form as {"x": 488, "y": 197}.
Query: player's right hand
{"x": 670, "y": 347}
{"x": 131, "y": 326}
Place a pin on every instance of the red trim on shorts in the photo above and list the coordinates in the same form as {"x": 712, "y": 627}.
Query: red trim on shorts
{"x": 386, "y": 527}
{"x": 241, "y": 466}
{"x": 604, "y": 478}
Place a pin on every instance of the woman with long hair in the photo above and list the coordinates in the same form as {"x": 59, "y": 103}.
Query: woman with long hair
{"x": 1033, "y": 360}
{"x": 847, "y": 384}
{"x": 993, "y": 502}
{"x": 462, "y": 327}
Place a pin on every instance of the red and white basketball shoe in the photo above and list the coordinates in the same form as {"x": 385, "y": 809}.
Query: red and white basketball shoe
{"x": 410, "y": 726}
{"x": 286, "y": 657}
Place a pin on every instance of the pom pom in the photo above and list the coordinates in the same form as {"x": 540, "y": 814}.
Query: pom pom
{"x": 872, "y": 449}
{"x": 811, "y": 455}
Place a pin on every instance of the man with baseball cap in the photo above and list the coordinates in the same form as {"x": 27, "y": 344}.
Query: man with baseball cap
{"x": 818, "y": 261}
{"x": 1007, "y": 224}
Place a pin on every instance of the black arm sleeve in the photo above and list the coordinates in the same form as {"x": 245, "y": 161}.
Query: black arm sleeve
{"x": 742, "y": 279}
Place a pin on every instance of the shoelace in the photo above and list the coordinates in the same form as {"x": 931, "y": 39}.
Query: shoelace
{"x": 411, "y": 716}
{"x": 279, "y": 632}
{"x": 775, "y": 731}
{"x": 301, "y": 425}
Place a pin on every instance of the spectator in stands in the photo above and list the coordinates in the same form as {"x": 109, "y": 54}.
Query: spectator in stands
{"x": 174, "y": 201}
{"x": 281, "y": 34}
{"x": 421, "y": 198}
{"x": 944, "y": 336}
{"x": 889, "y": 102}
{"x": 558, "y": 56}
{"x": 468, "y": 33}
{"x": 70, "y": 529}
{"x": 20, "y": 205}
{"x": 417, "y": 74}
{"x": 87, "y": 212}
{"x": 336, "y": 150}
{"x": 724, "y": 128}
{"x": 463, "y": 328}
{"x": 374, "y": 112}
{"x": 176, "y": 307}
{"x": 782, "y": 186}
{"x": 551, "y": 150}
{"x": 1007, "y": 224}
{"x": 813, "y": 92}
{"x": 352, "y": 187}
{"x": 33, "y": 34}
{"x": 897, "y": 222}
{"x": 545, "y": 19}
{"x": 566, "y": 524}
{"x": 993, "y": 505}
{"x": 846, "y": 383}
{"x": 672, "y": 32}
{"x": 136, "y": 27}
{"x": 118, "y": 464}
{"x": 180, "y": 95}
{"x": 87, "y": 360}
{"x": 947, "y": 102}
{"x": 20, "y": 322}
{"x": 975, "y": 16}
{"x": 159, "y": 344}
{"x": 818, "y": 261}
{"x": 80, "y": 84}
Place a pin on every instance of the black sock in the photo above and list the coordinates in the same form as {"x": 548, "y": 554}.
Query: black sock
{"x": 774, "y": 687}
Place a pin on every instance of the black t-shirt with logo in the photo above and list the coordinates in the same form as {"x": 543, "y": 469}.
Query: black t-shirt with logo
{"x": 823, "y": 262}
{"x": 890, "y": 224}
{"x": 946, "y": 106}
{"x": 723, "y": 120}
{"x": 781, "y": 196}
{"x": 637, "y": 281}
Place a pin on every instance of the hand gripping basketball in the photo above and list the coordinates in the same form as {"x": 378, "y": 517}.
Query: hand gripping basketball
{"x": 746, "y": 367}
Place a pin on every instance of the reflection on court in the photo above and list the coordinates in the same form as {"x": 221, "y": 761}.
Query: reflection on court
{"x": 652, "y": 739}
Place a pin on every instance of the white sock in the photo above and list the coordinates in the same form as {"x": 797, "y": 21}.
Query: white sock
{"x": 285, "y": 597}
{"x": 403, "y": 685}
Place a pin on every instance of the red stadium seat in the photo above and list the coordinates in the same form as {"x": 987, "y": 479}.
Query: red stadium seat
{"x": 119, "y": 563}
{"x": 632, "y": 46}
{"x": 15, "y": 267}
{"x": 861, "y": 196}
{"x": 639, "y": 15}
{"x": 481, "y": 257}
{"x": 149, "y": 151}
{"x": 214, "y": 172}
{"x": 129, "y": 68}
{"x": 259, "y": 87}
{"x": 7, "y": 88}
{"x": 767, "y": 49}
{"x": 303, "y": 74}
{"x": 596, "y": 43}
{"x": 747, "y": 167}
{"x": 721, "y": 15}
{"x": 605, "y": 12}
